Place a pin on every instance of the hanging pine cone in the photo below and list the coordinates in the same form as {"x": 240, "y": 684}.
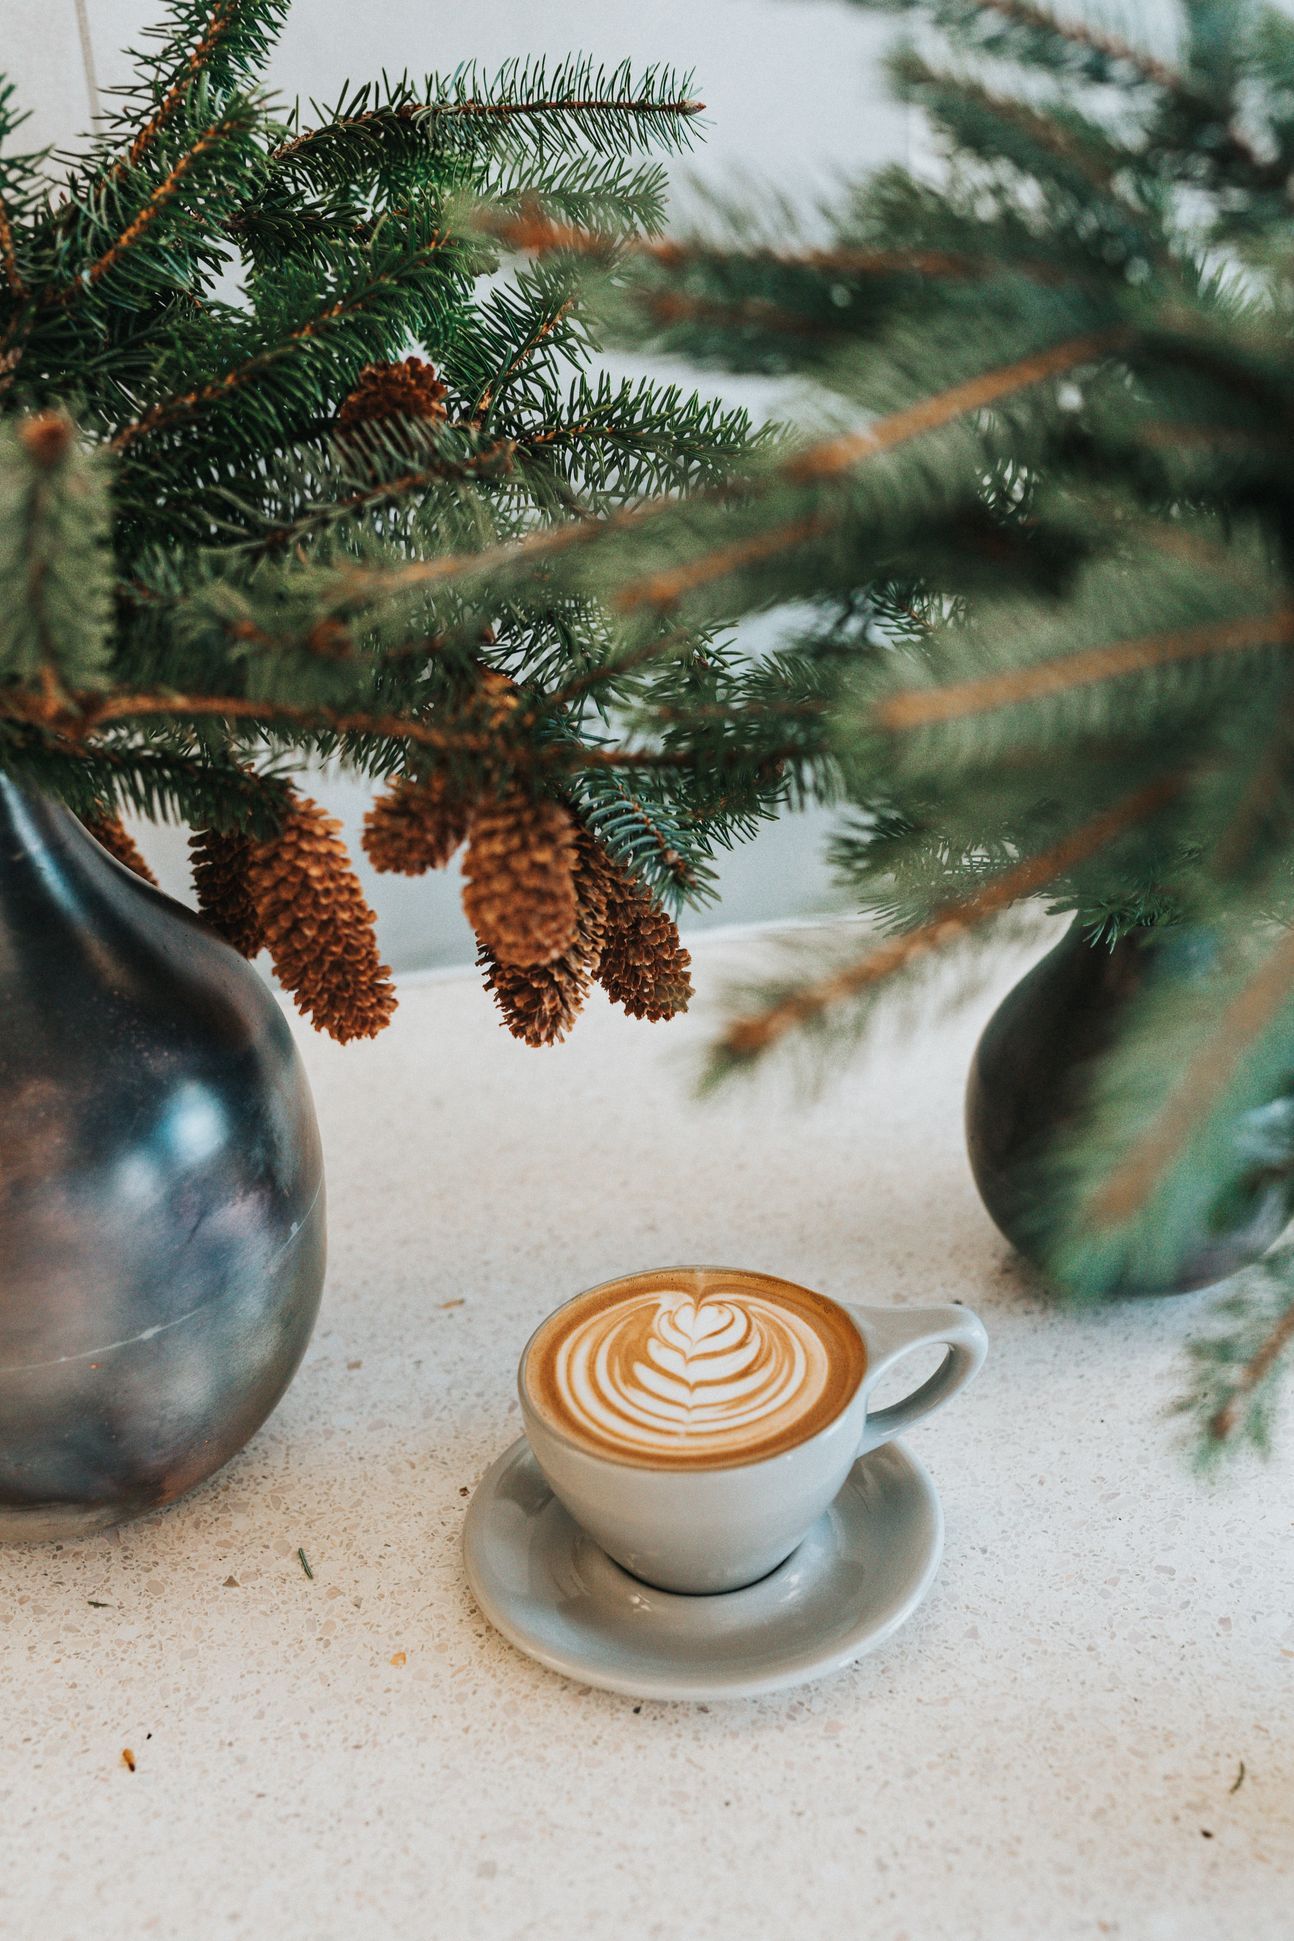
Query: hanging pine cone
{"x": 392, "y": 391}
{"x": 111, "y": 832}
{"x": 540, "y": 1002}
{"x": 318, "y": 928}
{"x": 520, "y": 894}
{"x": 643, "y": 965}
{"x": 219, "y": 862}
{"x": 415, "y": 826}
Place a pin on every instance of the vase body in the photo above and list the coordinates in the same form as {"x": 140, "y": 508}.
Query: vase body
{"x": 161, "y": 1188}
{"x": 1028, "y": 1080}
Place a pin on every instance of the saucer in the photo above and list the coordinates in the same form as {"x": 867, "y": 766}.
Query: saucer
{"x": 858, "y": 1575}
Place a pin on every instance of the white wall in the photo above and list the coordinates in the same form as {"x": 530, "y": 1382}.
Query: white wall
{"x": 794, "y": 95}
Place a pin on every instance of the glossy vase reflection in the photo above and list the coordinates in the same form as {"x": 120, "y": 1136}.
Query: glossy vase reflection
{"x": 1027, "y": 1080}
{"x": 161, "y": 1188}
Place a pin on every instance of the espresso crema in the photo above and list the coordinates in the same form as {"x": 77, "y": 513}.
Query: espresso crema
{"x": 695, "y": 1368}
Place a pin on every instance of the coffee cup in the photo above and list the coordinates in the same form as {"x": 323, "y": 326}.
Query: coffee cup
{"x": 697, "y": 1421}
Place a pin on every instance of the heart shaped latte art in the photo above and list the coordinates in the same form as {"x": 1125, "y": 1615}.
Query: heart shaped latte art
{"x": 714, "y": 1371}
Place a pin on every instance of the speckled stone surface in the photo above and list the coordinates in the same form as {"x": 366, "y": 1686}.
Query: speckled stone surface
{"x": 1047, "y": 1752}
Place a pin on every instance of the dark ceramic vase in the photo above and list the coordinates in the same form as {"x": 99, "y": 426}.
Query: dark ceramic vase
{"x": 161, "y": 1188}
{"x": 1028, "y": 1078}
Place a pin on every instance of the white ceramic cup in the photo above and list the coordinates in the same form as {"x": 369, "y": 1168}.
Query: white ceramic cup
{"x": 706, "y": 1530}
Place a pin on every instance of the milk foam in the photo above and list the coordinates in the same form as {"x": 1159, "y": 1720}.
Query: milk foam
{"x": 713, "y": 1370}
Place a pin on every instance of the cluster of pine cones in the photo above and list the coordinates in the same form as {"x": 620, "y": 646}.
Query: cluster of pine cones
{"x": 551, "y": 908}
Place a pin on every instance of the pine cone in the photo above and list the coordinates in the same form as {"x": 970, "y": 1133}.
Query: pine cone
{"x": 110, "y": 831}
{"x": 643, "y": 965}
{"x": 520, "y": 894}
{"x": 415, "y": 826}
{"x": 219, "y": 862}
{"x": 387, "y": 391}
{"x": 318, "y": 929}
{"x": 539, "y": 1002}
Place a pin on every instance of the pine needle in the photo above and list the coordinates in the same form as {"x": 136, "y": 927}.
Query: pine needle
{"x": 920, "y": 707}
{"x": 1198, "y": 1089}
{"x": 751, "y": 1037}
{"x": 1251, "y": 1376}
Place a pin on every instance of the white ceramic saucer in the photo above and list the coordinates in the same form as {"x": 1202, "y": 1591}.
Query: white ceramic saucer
{"x": 859, "y": 1574}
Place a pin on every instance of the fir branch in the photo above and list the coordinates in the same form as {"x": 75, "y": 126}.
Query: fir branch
{"x": 487, "y": 461}
{"x": 539, "y": 334}
{"x": 748, "y": 1038}
{"x": 220, "y": 23}
{"x": 832, "y": 457}
{"x": 531, "y": 229}
{"x": 430, "y": 113}
{"x": 80, "y": 717}
{"x": 1194, "y": 1097}
{"x": 812, "y": 465}
{"x": 209, "y": 145}
{"x": 368, "y": 299}
{"x": 1249, "y": 1379}
{"x": 1090, "y": 40}
{"x": 921, "y": 707}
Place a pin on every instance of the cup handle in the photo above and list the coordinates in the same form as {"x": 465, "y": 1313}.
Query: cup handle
{"x": 891, "y": 1333}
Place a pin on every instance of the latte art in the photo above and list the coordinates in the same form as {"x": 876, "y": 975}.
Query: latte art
{"x": 697, "y": 1368}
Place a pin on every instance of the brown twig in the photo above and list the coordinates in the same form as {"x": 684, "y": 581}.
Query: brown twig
{"x": 749, "y": 1036}
{"x": 77, "y": 718}
{"x": 8, "y": 258}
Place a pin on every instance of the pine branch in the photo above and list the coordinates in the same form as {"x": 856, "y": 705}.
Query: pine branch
{"x": 1197, "y": 1091}
{"x": 79, "y": 717}
{"x": 209, "y": 147}
{"x": 367, "y": 303}
{"x": 1252, "y": 1375}
{"x": 220, "y": 24}
{"x": 921, "y": 707}
{"x": 1080, "y": 34}
{"x": 750, "y": 1037}
{"x": 429, "y": 114}
{"x": 834, "y": 457}
{"x": 53, "y": 558}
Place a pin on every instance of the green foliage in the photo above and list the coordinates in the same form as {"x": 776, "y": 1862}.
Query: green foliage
{"x": 1238, "y": 1365}
{"x": 55, "y": 558}
{"x": 200, "y": 295}
{"x": 1037, "y": 526}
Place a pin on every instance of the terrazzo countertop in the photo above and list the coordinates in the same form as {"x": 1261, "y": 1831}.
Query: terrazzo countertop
{"x": 1049, "y": 1750}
